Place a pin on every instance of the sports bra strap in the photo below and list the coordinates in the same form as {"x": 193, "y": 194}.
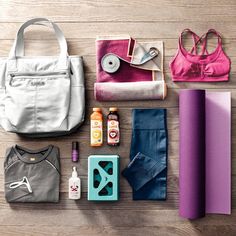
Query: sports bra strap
{"x": 202, "y": 39}
{"x": 195, "y": 40}
{"x": 205, "y": 38}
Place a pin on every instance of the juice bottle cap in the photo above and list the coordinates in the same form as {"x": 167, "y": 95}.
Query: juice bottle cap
{"x": 113, "y": 109}
{"x": 97, "y": 109}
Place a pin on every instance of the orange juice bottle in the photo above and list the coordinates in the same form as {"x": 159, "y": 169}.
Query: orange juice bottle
{"x": 96, "y": 132}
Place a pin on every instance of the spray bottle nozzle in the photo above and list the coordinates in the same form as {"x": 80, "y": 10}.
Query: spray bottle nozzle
{"x": 74, "y": 172}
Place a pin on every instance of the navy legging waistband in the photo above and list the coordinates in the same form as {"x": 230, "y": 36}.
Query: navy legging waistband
{"x": 149, "y": 119}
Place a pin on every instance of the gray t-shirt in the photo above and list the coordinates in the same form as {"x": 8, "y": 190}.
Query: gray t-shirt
{"x": 32, "y": 175}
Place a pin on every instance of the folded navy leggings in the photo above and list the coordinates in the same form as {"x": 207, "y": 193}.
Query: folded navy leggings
{"x": 147, "y": 171}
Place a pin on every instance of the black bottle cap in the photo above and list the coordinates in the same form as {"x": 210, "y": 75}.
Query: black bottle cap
{"x": 75, "y": 145}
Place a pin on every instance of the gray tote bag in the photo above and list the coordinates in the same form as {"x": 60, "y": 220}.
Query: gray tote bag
{"x": 41, "y": 96}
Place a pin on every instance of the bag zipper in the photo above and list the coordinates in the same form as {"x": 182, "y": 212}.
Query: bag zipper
{"x": 36, "y": 74}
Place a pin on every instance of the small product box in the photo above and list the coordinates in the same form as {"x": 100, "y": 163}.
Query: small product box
{"x": 103, "y": 178}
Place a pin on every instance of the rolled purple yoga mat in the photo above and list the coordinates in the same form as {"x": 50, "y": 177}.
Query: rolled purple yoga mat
{"x": 192, "y": 153}
{"x": 205, "y": 153}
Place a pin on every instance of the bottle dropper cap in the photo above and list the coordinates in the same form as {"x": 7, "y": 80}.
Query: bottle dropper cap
{"x": 74, "y": 172}
{"x": 75, "y": 145}
{"x": 75, "y": 151}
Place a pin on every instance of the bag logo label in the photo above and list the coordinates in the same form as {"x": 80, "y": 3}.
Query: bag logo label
{"x": 37, "y": 83}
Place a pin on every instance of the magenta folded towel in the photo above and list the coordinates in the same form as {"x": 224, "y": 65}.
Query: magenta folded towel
{"x": 128, "y": 70}
{"x": 126, "y": 73}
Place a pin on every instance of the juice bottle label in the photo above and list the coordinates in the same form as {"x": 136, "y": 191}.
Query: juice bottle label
{"x": 96, "y": 132}
{"x": 113, "y": 133}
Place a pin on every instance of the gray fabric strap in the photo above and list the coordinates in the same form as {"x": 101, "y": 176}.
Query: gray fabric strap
{"x": 18, "y": 46}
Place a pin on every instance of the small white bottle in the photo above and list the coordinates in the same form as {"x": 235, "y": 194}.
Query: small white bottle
{"x": 74, "y": 185}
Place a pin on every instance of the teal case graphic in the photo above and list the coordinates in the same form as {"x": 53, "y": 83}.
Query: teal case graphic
{"x": 103, "y": 177}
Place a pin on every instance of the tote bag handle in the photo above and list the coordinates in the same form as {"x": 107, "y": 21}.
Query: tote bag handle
{"x": 17, "y": 49}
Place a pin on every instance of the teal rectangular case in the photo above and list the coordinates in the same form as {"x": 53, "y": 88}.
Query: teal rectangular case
{"x": 103, "y": 178}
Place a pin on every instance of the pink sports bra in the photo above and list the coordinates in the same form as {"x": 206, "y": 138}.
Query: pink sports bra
{"x": 204, "y": 67}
